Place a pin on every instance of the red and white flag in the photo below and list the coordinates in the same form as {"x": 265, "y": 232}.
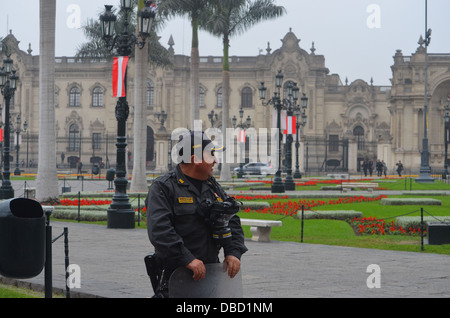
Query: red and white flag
{"x": 290, "y": 125}
{"x": 242, "y": 135}
{"x": 119, "y": 72}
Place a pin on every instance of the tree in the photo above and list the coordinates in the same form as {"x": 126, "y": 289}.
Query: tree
{"x": 47, "y": 179}
{"x": 139, "y": 177}
{"x": 227, "y": 19}
{"x": 196, "y": 11}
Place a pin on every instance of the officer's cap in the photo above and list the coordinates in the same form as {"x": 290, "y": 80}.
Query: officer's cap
{"x": 198, "y": 142}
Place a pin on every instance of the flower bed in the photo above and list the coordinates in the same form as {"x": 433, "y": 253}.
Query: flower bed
{"x": 290, "y": 208}
{"x": 372, "y": 225}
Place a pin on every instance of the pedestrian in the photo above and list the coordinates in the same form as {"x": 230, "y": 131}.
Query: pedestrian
{"x": 365, "y": 166}
{"x": 399, "y": 168}
{"x": 370, "y": 166}
{"x": 379, "y": 168}
{"x": 182, "y": 220}
{"x": 384, "y": 167}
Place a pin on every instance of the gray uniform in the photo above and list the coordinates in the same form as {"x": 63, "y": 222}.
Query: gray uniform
{"x": 178, "y": 230}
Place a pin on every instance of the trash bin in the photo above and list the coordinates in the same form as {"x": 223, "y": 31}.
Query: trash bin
{"x": 95, "y": 170}
{"x": 22, "y": 238}
{"x": 110, "y": 174}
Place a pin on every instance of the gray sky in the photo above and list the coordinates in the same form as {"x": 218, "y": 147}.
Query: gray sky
{"x": 357, "y": 37}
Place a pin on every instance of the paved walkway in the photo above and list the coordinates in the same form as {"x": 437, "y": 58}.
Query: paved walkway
{"x": 111, "y": 263}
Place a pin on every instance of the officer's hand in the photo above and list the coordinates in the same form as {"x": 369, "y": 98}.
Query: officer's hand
{"x": 233, "y": 264}
{"x": 198, "y": 268}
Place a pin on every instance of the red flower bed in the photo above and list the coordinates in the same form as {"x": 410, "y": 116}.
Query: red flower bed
{"x": 371, "y": 225}
{"x": 291, "y": 207}
{"x": 68, "y": 202}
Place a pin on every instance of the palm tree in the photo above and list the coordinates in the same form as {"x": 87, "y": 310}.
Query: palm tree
{"x": 227, "y": 19}
{"x": 139, "y": 179}
{"x": 195, "y": 10}
{"x": 47, "y": 179}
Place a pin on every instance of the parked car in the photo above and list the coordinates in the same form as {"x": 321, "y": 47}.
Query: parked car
{"x": 256, "y": 168}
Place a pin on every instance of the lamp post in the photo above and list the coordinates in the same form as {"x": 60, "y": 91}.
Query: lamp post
{"x": 241, "y": 139}
{"x": 162, "y": 117}
{"x": 213, "y": 118}
{"x": 8, "y": 84}
{"x": 120, "y": 213}
{"x": 304, "y": 105}
{"x": 425, "y": 169}
{"x": 286, "y": 103}
{"x": 446, "y": 138}
{"x": 18, "y": 131}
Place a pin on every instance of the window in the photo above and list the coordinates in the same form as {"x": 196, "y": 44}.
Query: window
{"x": 74, "y": 138}
{"x": 247, "y": 98}
{"x": 74, "y": 97}
{"x": 358, "y": 132}
{"x": 150, "y": 94}
{"x": 96, "y": 141}
{"x": 202, "y": 97}
{"x": 219, "y": 97}
{"x": 97, "y": 97}
{"x": 333, "y": 143}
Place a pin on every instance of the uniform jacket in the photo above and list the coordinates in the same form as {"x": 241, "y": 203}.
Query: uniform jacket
{"x": 178, "y": 230}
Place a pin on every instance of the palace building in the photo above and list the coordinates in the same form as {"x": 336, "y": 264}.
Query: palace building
{"x": 346, "y": 122}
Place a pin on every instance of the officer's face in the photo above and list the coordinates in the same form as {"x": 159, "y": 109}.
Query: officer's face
{"x": 205, "y": 168}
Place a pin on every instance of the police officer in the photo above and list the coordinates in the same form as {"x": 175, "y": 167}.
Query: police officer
{"x": 177, "y": 228}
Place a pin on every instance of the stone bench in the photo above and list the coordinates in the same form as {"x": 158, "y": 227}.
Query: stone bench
{"x": 368, "y": 186}
{"x": 260, "y": 229}
{"x": 338, "y": 175}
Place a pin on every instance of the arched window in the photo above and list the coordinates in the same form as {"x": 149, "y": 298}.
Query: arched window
{"x": 150, "y": 94}
{"x": 358, "y": 132}
{"x": 74, "y": 97}
{"x": 74, "y": 138}
{"x": 219, "y": 97}
{"x": 247, "y": 97}
{"x": 202, "y": 97}
{"x": 97, "y": 97}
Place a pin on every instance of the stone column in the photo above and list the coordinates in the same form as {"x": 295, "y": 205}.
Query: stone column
{"x": 162, "y": 150}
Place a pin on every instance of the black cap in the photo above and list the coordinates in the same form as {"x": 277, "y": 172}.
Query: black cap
{"x": 196, "y": 140}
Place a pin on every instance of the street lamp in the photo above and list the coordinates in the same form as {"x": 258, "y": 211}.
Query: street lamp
{"x": 162, "y": 117}
{"x": 8, "y": 84}
{"x": 301, "y": 121}
{"x": 213, "y": 118}
{"x": 120, "y": 213}
{"x": 18, "y": 131}
{"x": 425, "y": 169}
{"x": 286, "y": 103}
{"x": 241, "y": 139}
{"x": 446, "y": 138}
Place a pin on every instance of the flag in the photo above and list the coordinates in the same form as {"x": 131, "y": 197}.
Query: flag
{"x": 290, "y": 125}
{"x": 242, "y": 135}
{"x": 119, "y": 72}
{"x": 1, "y": 134}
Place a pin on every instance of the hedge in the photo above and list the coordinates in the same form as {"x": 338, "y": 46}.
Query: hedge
{"x": 329, "y": 214}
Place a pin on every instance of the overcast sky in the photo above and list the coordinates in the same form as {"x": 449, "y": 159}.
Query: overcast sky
{"x": 357, "y": 37}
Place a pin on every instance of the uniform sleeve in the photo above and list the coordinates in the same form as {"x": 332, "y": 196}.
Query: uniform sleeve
{"x": 237, "y": 246}
{"x": 168, "y": 244}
